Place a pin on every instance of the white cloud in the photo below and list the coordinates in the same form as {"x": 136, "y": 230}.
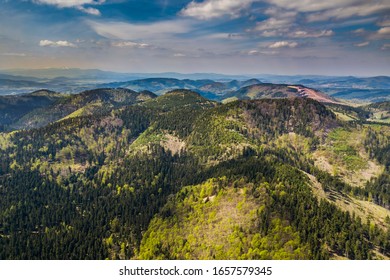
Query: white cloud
{"x": 270, "y": 33}
{"x": 209, "y": 9}
{"x": 363, "y": 44}
{"x": 90, "y": 10}
{"x": 318, "y": 10}
{"x": 48, "y": 43}
{"x": 129, "y": 31}
{"x": 253, "y": 52}
{"x": 359, "y": 31}
{"x": 384, "y": 31}
{"x": 278, "y": 24}
{"x": 260, "y": 52}
{"x": 129, "y": 44}
{"x": 224, "y": 36}
{"x": 362, "y": 9}
{"x": 273, "y": 24}
{"x": 78, "y": 4}
{"x": 283, "y": 24}
{"x": 312, "y": 6}
{"x": 283, "y": 44}
{"x": 314, "y": 34}
{"x": 69, "y": 3}
{"x": 179, "y": 55}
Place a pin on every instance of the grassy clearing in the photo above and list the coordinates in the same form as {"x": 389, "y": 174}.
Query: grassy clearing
{"x": 344, "y": 155}
{"x": 382, "y": 116}
{"x": 89, "y": 109}
{"x": 364, "y": 209}
{"x": 344, "y": 117}
{"x": 149, "y": 136}
{"x": 230, "y": 99}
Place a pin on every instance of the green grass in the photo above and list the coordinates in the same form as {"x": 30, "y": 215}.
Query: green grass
{"x": 344, "y": 117}
{"x": 89, "y": 109}
{"x": 230, "y": 99}
{"x": 149, "y": 136}
{"x": 344, "y": 150}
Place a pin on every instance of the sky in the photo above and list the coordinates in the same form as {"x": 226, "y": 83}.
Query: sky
{"x": 333, "y": 37}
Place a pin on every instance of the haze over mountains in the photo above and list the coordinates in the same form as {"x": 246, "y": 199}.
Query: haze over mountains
{"x": 365, "y": 89}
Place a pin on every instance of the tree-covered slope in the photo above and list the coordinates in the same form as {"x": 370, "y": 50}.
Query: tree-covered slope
{"x": 12, "y": 108}
{"x": 89, "y": 102}
{"x": 160, "y": 178}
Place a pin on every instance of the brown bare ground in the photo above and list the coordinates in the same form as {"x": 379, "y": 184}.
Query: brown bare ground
{"x": 313, "y": 94}
{"x": 357, "y": 178}
{"x": 173, "y": 143}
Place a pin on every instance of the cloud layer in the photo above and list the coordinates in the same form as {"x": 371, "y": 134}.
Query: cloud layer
{"x": 48, "y": 43}
{"x": 78, "y": 4}
{"x": 198, "y": 35}
{"x": 283, "y": 44}
{"x": 210, "y": 9}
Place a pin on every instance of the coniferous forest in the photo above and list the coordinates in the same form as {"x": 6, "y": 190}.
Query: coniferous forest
{"x": 181, "y": 177}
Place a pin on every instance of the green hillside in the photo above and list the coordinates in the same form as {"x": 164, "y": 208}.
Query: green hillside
{"x": 12, "y": 108}
{"x": 58, "y": 106}
{"x": 182, "y": 177}
{"x": 380, "y": 112}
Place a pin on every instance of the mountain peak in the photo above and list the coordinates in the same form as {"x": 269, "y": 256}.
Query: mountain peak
{"x": 42, "y": 92}
{"x": 179, "y": 98}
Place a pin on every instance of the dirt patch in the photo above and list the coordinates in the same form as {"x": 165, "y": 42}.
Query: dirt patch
{"x": 313, "y": 94}
{"x": 322, "y": 163}
{"x": 173, "y": 143}
{"x": 317, "y": 189}
{"x": 373, "y": 170}
{"x": 357, "y": 178}
{"x": 209, "y": 199}
{"x": 111, "y": 122}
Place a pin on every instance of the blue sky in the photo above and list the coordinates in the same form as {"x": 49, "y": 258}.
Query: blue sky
{"x": 334, "y": 37}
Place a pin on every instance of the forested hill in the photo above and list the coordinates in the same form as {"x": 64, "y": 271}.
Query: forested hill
{"x": 42, "y": 107}
{"x": 13, "y": 108}
{"x": 182, "y": 177}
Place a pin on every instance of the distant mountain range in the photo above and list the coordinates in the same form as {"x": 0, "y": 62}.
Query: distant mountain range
{"x": 211, "y": 85}
{"x": 208, "y": 88}
{"x": 96, "y": 74}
